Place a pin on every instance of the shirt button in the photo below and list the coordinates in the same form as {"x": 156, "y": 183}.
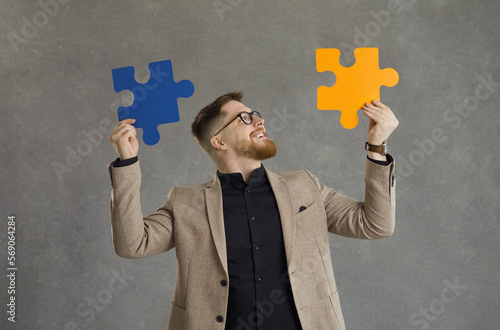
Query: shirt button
{"x": 248, "y": 191}
{"x": 261, "y": 311}
{"x": 223, "y": 282}
{"x": 260, "y": 279}
{"x": 253, "y": 218}
{"x": 257, "y": 248}
{"x": 219, "y": 318}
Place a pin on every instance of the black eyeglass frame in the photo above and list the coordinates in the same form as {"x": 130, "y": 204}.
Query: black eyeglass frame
{"x": 253, "y": 113}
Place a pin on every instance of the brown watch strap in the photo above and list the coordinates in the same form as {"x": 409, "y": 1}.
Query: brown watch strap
{"x": 380, "y": 149}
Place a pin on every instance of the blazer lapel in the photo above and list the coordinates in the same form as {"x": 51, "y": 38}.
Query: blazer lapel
{"x": 283, "y": 199}
{"x": 213, "y": 195}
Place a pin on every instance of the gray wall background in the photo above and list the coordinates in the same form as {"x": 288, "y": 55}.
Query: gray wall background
{"x": 56, "y": 87}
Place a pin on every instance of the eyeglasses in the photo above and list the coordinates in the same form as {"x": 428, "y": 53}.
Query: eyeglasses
{"x": 246, "y": 117}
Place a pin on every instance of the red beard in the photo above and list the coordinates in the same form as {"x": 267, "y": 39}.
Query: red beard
{"x": 256, "y": 151}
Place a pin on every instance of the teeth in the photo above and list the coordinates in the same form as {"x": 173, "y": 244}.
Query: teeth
{"x": 259, "y": 135}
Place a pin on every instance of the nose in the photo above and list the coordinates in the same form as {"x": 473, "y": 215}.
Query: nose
{"x": 258, "y": 121}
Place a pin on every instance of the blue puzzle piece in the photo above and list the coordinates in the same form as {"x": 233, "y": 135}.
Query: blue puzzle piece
{"x": 155, "y": 102}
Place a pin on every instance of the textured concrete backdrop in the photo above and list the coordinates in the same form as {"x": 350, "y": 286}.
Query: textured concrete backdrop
{"x": 440, "y": 269}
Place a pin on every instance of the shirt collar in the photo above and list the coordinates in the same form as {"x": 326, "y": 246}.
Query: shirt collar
{"x": 258, "y": 175}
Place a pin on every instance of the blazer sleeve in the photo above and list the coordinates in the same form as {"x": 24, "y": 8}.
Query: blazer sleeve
{"x": 136, "y": 236}
{"x": 375, "y": 217}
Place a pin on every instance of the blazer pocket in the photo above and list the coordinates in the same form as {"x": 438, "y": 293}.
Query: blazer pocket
{"x": 177, "y": 317}
{"x": 309, "y": 209}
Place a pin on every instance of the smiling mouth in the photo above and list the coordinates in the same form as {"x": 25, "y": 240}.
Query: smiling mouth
{"x": 259, "y": 135}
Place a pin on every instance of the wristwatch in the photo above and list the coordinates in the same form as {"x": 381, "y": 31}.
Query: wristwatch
{"x": 380, "y": 149}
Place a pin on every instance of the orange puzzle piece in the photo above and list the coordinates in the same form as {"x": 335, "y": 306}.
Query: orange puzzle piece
{"x": 355, "y": 85}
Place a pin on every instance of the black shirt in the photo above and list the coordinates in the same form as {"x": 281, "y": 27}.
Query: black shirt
{"x": 260, "y": 296}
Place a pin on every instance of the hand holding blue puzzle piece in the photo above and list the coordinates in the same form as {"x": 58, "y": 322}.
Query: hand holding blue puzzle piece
{"x": 155, "y": 102}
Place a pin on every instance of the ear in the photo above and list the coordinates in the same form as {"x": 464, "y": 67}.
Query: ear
{"x": 217, "y": 143}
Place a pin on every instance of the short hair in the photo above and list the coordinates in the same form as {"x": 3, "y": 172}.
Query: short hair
{"x": 207, "y": 118}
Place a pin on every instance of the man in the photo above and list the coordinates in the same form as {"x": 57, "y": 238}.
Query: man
{"x": 251, "y": 245}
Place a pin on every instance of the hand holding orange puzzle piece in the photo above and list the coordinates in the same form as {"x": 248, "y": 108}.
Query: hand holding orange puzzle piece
{"x": 355, "y": 85}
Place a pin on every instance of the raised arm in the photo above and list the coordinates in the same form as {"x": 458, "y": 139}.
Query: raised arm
{"x": 375, "y": 216}
{"x": 135, "y": 236}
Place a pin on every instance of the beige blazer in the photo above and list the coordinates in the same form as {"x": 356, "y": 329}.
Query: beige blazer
{"x": 191, "y": 221}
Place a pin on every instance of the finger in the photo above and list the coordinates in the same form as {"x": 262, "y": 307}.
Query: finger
{"x": 122, "y": 126}
{"x": 127, "y": 132}
{"x": 385, "y": 112}
{"x": 127, "y": 120}
{"x": 381, "y": 114}
{"x": 124, "y": 122}
{"x": 375, "y": 105}
{"x": 375, "y": 116}
{"x": 123, "y": 132}
{"x": 369, "y": 106}
{"x": 379, "y": 104}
